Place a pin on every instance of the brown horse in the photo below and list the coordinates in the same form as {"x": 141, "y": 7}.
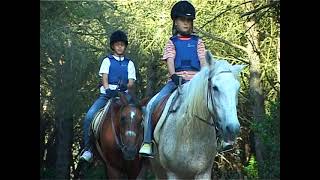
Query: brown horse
{"x": 121, "y": 137}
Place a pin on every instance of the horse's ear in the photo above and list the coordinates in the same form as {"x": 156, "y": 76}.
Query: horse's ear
{"x": 236, "y": 69}
{"x": 132, "y": 93}
{"x": 144, "y": 109}
{"x": 123, "y": 98}
{"x": 209, "y": 57}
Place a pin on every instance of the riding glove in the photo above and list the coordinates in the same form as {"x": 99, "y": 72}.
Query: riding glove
{"x": 111, "y": 93}
{"x": 123, "y": 87}
{"x": 175, "y": 79}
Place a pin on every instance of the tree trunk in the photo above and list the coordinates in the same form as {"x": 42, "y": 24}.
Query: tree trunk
{"x": 50, "y": 151}
{"x": 64, "y": 124}
{"x": 63, "y": 135}
{"x": 64, "y": 141}
{"x": 256, "y": 91}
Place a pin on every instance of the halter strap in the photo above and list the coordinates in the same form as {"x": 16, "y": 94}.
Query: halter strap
{"x": 214, "y": 123}
{"x": 119, "y": 142}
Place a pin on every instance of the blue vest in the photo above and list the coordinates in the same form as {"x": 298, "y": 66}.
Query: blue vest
{"x": 118, "y": 71}
{"x": 186, "y": 54}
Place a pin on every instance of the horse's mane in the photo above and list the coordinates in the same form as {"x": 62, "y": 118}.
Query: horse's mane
{"x": 194, "y": 98}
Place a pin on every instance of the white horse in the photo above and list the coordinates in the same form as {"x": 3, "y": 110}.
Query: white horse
{"x": 186, "y": 141}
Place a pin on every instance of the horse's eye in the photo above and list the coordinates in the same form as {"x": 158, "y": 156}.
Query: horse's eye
{"x": 122, "y": 120}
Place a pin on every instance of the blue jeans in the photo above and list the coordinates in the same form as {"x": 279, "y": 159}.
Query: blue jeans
{"x": 97, "y": 105}
{"x": 167, "y": 89}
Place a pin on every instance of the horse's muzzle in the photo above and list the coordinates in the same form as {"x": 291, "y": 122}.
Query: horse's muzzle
{"x": 129, "y": 153}
{"x": 233, "y": 128}
{"x": 231, "y": 132}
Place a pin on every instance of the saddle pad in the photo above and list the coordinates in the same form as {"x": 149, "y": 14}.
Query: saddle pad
{"x": 98, "y": 119}
{"x": 156, "y": 133}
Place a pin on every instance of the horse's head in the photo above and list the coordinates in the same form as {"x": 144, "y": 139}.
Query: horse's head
{"x": 130, "y": 126}
{"x": 223, "y": 92}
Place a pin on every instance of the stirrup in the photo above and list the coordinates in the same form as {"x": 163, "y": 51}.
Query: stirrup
{"x": 146, "y": 153}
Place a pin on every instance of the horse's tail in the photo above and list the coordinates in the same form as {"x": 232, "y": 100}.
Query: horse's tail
{"x": 209, "y": 57}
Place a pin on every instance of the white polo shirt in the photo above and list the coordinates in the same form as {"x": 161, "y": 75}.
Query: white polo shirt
{"x": 105, "y": 69}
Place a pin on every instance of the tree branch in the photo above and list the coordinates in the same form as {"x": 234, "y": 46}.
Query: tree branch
{"x": 90, "y": 34}
{"x": 222, "y": 13}
{"x": 256, "y": 21}
{"x": 272, "y": 83}
{"x": 232, "y": 59}
{"x": 222, "y": 40}
{"x": 102, "y": 43}
{"x": 241, "y": 59}
{"x": 258, "y": 9}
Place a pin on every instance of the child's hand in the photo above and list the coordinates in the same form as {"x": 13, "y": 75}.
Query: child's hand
{"x": 111, "y": 93}
{"x": 123, "y": 87}
{"x": 175, "y": 79}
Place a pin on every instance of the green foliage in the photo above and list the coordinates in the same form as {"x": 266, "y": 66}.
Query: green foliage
{"x": 97, "y": 172}
{"x": 225, "y": 25}
{"x": 252, "y": 168}
{"x": 47, "y": 173}
{"x": 269, "y": 132}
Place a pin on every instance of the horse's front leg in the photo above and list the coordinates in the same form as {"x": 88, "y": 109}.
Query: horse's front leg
{"x": 205, "y": 174}
{"x": 145, "y": 169}
{"x": 159, "y": 171}
{"x": 133, "y": 169}
{"x": 113, "y": 173}
{"x": 171, "y": 175}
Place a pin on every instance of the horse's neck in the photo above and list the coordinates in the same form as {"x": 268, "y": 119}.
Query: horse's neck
{"x": 194, "y": 109}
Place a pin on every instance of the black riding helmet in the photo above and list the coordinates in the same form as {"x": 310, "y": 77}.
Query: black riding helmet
{"x": 118, "y": 36}
{"x": 183, "y": 9}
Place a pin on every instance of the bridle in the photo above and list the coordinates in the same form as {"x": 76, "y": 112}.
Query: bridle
{"x": 209, "y": 94}
{"x": 118, "y": 140}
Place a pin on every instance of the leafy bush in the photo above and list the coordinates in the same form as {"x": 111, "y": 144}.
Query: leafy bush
{"x": 252, "y": 169}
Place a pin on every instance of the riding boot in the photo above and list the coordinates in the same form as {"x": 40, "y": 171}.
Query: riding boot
{"x": 146, "y": 148}
{"x": 87, "y": 154}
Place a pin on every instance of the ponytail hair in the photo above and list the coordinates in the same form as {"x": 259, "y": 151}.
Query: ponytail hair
{"x": 174, "y": 30}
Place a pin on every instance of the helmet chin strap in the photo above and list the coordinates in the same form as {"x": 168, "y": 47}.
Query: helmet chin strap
{"x": 119, "y": 55}
{"x": 184, "y": 33}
